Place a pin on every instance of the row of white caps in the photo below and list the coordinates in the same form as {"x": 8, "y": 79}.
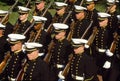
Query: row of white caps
{"x": 31, "y": 45}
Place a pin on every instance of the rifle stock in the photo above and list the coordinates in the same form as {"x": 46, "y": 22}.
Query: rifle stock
{"x": 92, "y": 37}
{"x": 114, "y": 43}
{"x": 69, "y": 37}
{"x": 21, "y": 72}
{"x": 67, "y": 67}
{"x": 48, "y": 55}
{"x": 15, "y": 29}
{"x": 4, "y": 62}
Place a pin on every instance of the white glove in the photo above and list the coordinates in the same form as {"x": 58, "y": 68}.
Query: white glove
{"x": 86, "y": 46}
{"x": 107, "y": 65}
{"x": 60, "y": 75}
{"x": 108, "y": 53}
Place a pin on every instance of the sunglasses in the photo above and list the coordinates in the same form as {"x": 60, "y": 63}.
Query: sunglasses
{"x": 22, "y": 13}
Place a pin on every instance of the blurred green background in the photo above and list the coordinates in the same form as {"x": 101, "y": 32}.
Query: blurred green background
{"x": 6, "y": 4}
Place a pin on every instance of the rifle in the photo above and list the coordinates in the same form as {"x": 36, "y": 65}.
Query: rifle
{"x": 67, "y": 67}
{"x": 91, "y": 38}
{"x": 21, "y": 72}
{"x": 47, "y": 9}
{"x": 28, "y": 3}
{"x": 48, "y": 55}
{"x": 114, "y": 43}
{"x": 15, "y": 29}
{"x": 29, "y": 28}
{"x": 4, "y": 62}
{"x": 7, "y": 15}
{"x": 81, "y": 2}
{"x": 71, "y": 31}
{"x": 87, "y": 29}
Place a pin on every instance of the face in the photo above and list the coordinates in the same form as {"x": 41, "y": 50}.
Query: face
{"x": 40, "y": 6}
{"x": 61, "y": 11}
{"x": 90, "y": 7}
{"x": 23, "y": 17}
{"x": 33, "y": 55}
{"x": 59, "y": 35}
{"x": 103, "y": 23}
{"x": 16, "y": 47}
{"x": 113, "y": 9}
{"x": 79, "y": 50}
{"x": 79, "y": 15}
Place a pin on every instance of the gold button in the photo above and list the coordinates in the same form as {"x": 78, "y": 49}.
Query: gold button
{"x": 31, "y": 69}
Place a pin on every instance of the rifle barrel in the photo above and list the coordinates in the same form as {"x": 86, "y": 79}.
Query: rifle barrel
{"x": 9, "y": 11}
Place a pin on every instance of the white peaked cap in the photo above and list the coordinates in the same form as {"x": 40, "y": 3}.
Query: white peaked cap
{"x": 39, "y": 18}
{"x": 79, "y": 41}
{"x": 2, "y": 26}
{"x": 23, "y": 8}
{"x": 16, "y": 37}
{"x": 103, "y": 15}
{"x": 61, "y": 4}
{"x": 77, "y": 7}
{"x": 111, "y": 1}
{"x": 60, "y": 26}
{"x": 31, "y": 45}
{"x": 117, "y": 1}
{"x": 3, "y": 12}
{"x": 89, "y": 0}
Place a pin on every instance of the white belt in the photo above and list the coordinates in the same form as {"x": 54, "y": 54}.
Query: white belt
{"x": 11, "y": 79}
{"x": 77, "y": 77}
{"x": 101, "y": 50}
{"x": 60, "y": 66}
